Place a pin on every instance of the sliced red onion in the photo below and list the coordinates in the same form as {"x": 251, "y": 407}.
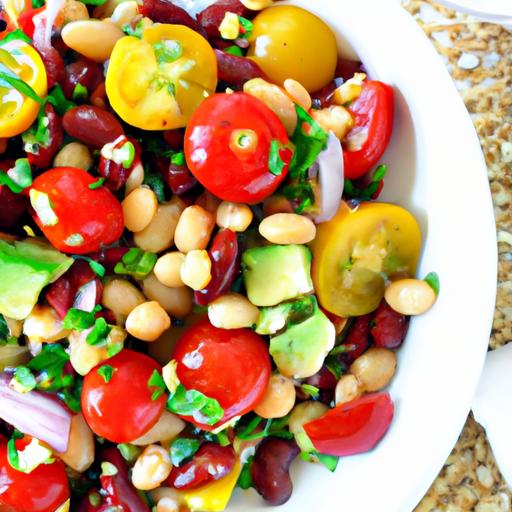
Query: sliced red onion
{"x": 52, "y": 10}
{"x": 86, "y": 296}
{"x": 36, "y": 414}
{"x": 330, "y": 178}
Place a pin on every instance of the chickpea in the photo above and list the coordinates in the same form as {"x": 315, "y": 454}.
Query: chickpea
{"x": 279, "y": 398}
{"x": 374, "y": 369}
{"x": 43, "y": 325}
{"x": 121, "y": 296}
{"x": 232, "y": 311}
{"x": 234, "y": 216}
{"x": 347, "y": 389}
{"x": 148, "y": 321}
{"x": 80, "y": 453}
{"x": 74, "y": 154}
{"x": 139, "y": 209}
{"x": 167, "y": 428}
{"x": 301, "y": 414}
{"x": 176, "y": 301}
{"x": 196, "y": 270}
{"x": 169, "y": 498}
{"x": 159, "y": 235}
{"x": 73, "y": 11}
{"x": 151, "y": 468}
{"x": 298, "y": 93}
{"x": 334, "y": 118}
{"x": 287, "y": 228}
{"x": 167, "y": 269}
{"x": 410, "y": 296}
{"x": 194, "y": 229}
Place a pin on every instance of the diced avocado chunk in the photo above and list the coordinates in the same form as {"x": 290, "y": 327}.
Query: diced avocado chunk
{"x": 25, "y": 269}
{"x": 275, "y": 273}
{"x": 275, "y": 318}
{"x": 300, "y": 351}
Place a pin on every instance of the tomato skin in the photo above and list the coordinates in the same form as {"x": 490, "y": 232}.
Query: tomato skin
{"x": 122, "y": 410}
{"x": 373, "y": 111}
{"x": 94, "y": 214}
{"x": 43, "y": 490}
{"x": 353, "y": 427}
{"x": 26, "y": 20}
{"x": 45, "y": 154}
{"x": 235, "y": 368}
{"x": 208, "y": 147}
{"x": 222, "y": 458}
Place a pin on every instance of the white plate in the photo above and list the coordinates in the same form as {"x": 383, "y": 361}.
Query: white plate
{"x": 436, "y": 169}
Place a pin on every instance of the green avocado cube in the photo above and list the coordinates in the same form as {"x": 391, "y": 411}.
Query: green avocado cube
{"x": 275, "y": 273}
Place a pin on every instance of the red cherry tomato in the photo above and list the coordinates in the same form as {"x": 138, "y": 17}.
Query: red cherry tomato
{"x": 235, "y": 367}
{"x": 43, "y": 490}
{"x": 373, "y": 113}
{"x": 210, "y": 462}
{"x": 387, "y": 327}
{"x": 121, "y": 410}
{"x": 227, "y": 147}
{"x": 224, "y": 257}
{"x": 26, "y": 20}
{"x": 353, "y": 427}
{"x": 87, "y": 219}
{"x": 43, "y": 154}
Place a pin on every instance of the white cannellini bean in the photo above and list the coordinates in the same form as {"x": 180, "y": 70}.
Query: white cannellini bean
{"x": 232, "y": 311}
{"x": 80, "y": 453}
{"x": 152, "y": 467}
{"x": 287, "y": 228}
{"x": 374, "y": 369}
{"x": 410, "y": 296}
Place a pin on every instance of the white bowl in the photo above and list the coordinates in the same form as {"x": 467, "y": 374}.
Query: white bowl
{"x": 437, "y": 171}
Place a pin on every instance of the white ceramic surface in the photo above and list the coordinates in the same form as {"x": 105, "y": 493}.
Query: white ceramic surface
{"x": 436, "y": 169}
{"x": 495, "y": 11}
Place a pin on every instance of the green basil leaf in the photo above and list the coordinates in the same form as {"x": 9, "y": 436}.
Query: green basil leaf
{"x": 178, "y": 158}
{"x": 432, "y": 279}
{"x": 334, "y": 366}
{"x": 156, "y": 183}
{"x": 107, "y": 372}
{"x": 99, "y": 332}
{"x": 275, "y": 162}
{"x": 183, "y": 448}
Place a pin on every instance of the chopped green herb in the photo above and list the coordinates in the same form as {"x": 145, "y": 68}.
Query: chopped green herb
{"x": 16, "y": 34}
{"x": 432, "y": 279}
{"x": 38, "y": 3}
{"x": 107, "y": 372}
{"x": 168, "y": 50}
{"x": 194, "y": 403}
{"x": 25, "y": 380}
{"x": 97, "y": 184}
{"x": 99, "y": 333}
{"x": 301, "y": 194}
{"x": 124, "y": 155}
{"x": 59, "y": 102}
{"x": 108, "y": 469}
{"x": 245, "y": 479}
{"x": 312, "y": 391}
{"x": 10, "y": 80}
{"x": 334, "y": 366}
{"x": 49, "y": 366}
{"x": 178, "y": 158}
{"x": 247, "y": 27}
{"x": 72, "y": 396}
{"x": 96, "y": 267}
{"x": 130, "y": 452}
{"x": 113, "y": 349}
{"x": 78, "y": 320}
{"x": 134, "y": 32}
{"x": 156, "y": 382}
{"x": 234, "y": 50}
{"x": 183, "y": 448}
{"x": 35, "y": 455}
{"x": 350, "y": 191}
{"x": 156, "y": 183}
{"x": 80, "y": 93}
{"x": 19, "y": 177}
{"x": 136, "y": 263}
{"x": 329, "y": 461}
{"x": 275, "y": 162}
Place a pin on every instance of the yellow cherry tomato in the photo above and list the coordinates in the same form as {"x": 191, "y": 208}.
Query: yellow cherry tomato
{"x": 155, "y": 83}
{"x": 290, "y": 42}
{"x": 356, "y": 249}
{"x": 17, "y": 112}
{"x": 14, "y": 8}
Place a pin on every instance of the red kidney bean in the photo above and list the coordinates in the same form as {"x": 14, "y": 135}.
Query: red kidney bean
{"x": 44, "y": 154}
{"x": 270, "y": 469}
{"x": 12, "y": 207}
{"x": 174, "y": 138}
{"x": 179, "y": 178}
{"x": 164, "y": 11}
{"x": 115, "y": 173}
{"x": 118, "y": 490}
{"x": 61, "y": 294}
{"x": 210, "y": 463}
{"x": 357, "y": 339}
{"x": 323, "y": 379}
{"x": 109, "y": 257}
{"x": 223, "y": 254}
{"x": 323, "y": 97}
{"x": 92, "y": 125}
{"x": 211, "y": 17}
{"x": 84, "y": 72}
{"x": 387, "y": 327}
{"x": 235, "y": 71}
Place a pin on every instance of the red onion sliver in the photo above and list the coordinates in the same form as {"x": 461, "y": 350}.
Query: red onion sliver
{"x": 36, "y": 414}
{"x": 331, "y": 179}
{"x": 86, "y": 296}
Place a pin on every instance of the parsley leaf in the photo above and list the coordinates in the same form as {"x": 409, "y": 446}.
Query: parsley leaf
{"x": 59, "y": 102}
{"x": 275, "y": 162}
{"x": 107, "y": 372}
{"x": 49, "y": 367}
{"x": 247, "y": 27}
{"x": 156, "y": 183}
{"x": 432, "y": 279}
{"x": 182, "y": 449}
{"x": 350, "y": 191}
{"x": 78, "y": 320}
{"x": 156, "y": 381}
{"x": 194, "y": 403}
{"x": 134, "y": 32}
{"x": 234, "y": 50}
{"x": 136, "y": 263}
{"x": 99, "y": 332}
{"x": 19, "y": 177}
{"x": 80, "y": 93}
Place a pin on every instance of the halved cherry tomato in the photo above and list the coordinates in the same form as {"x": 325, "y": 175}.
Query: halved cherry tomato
{"x": 122, "y": 410}
{"x": 211, "y": 462}
{"x": 373, "y": 121}
{"x": 17, "y": 112}
{"x": 353, "y": 251}
{"x": 227, "y": 147}
{"x": 45, "y": 489}
{"x": 235, "y": 367}
{"x": 26, "y": 20}
{"x": 15, "y": 8}
{"x": 155, "y": 83}
{"x": 353, "y": 427}
{"x": 78, "y": 219}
